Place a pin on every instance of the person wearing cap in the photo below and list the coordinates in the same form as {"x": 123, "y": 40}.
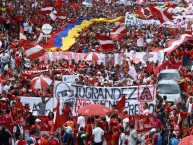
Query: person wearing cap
{"x": 38, "y": 128}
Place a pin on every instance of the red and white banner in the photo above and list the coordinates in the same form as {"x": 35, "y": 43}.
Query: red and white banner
{"x": 162, "y": 14}
{"x": 106, "y": 42}
{"x": 79, "y": 96}
{"x": 105, "y": 58}
{"x": 47, "y": 9}
{"x": 175, "y": 43}
{"x": 33, "y": 51}
{"x": 143, "y": 57}
{"x": 146, "y": 13}
{"x": 53, "y": 56}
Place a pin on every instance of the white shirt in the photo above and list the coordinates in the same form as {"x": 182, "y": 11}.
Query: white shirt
{"x": 125, "y": 121}
{"x": 189, "y": 108}
{"x": 146, "y": 111}
{"x": 98, "y": 133}
{"x": 81, "y": 121}
{"x": 6, "y": 88}
{"x": 15, "y": 129}
{"x": 122, "y": 138}
{"x": 132, "y": 137}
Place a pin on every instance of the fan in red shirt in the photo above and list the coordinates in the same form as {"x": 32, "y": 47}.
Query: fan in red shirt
{"x": 49, "y": 119}
{"x": 89, "y": 127}
{"x": 104, "y": 124}
{"x": 145, "y": 121}
{"x": 66, "y": 111}
{"x": 53, "y": 140}
{"x": 43, "y": 140}
{"x": 20, "y": 141}
{"x": 115, "y": 136}
{"x": 7, "y": 117}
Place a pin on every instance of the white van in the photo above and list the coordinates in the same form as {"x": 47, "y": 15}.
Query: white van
{"x": 169, "y": 74}
{"x": 171, "y": 89}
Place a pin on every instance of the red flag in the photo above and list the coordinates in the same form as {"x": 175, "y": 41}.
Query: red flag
{"x": 162, "y": 14}
{"x": 146, "y": 13}
{"x": 33, "y": 51}
{"x": 59, "y": 4}
{"x": 121, "y": 104}
{"x": 60, "y": 119}
{"x": 149, "y": 67}
{"x": 106, "y": 42}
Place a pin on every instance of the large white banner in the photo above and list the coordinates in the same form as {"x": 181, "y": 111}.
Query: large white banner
{"x": 105, "y": 58}
{"x": 131, "y": 20}
{"x": 34, "y": 104}
{"x": 79, "y": 96}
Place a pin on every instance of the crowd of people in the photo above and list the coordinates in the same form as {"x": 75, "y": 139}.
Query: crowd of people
{"x": 168, "y": 125}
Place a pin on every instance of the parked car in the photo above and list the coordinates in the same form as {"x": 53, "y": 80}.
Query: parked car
{"x": 171, "y": 89}
{"x": 169, "y": 74}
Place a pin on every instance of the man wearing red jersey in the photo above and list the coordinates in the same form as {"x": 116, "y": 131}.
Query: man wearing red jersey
{"x": 53, "y": 140}
{"x": 66, "y": 111}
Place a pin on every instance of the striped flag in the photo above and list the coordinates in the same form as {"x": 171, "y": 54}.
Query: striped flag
{"x": 118, "y": 30}
{"x": 33, "y": 51}
{"x": 46, "y": 9}
{"x": 175, "y": 43}
{"x": 162, "y": 14}
{"x": 105, "y": 42}
{"x": 22, "y": 37}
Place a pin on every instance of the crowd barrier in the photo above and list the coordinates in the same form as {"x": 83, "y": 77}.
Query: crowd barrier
{"x": 108, "y": 136}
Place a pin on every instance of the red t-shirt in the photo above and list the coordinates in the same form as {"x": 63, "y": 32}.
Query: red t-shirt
{"x": 88, "y": 129}
{"x": 115, "y": 138}
{"x": 8, "y": 118}
{"x": 53, "y": 141}
{"x": 66, "y": 112}
{"x": 104, "y": 125}
{"x": 21, "y": 142}
{"x": 49, "y": 121}
{"x": 113, "y": 122}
